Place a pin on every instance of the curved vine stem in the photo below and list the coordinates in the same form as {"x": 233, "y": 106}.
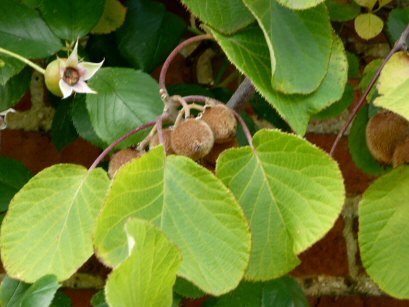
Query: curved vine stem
{"x": 401, "y": 43}
{"x": 172, "y": 55}
{"x": 118, "y": 141}
{"x": 23, "y": 59}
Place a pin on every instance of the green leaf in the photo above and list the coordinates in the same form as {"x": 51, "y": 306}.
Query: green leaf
{"x": 151, "y": 254}
{"x": 112, "y": 18}
{"x": 11, "y": 68}
{"x": 394, "y": 73}
{"x": 62, "y": 129}
{"x": 186, "y": 289}
{"x": 292, "y": 193}
{"x": 14, "y": 89}
{"x": 300, "y": 5}
{"x": 358, "y": 147}
{"x": 126, "y": 99}
{"x": 353, "y": 65}
{"x": 368, "y": 25}
{"x": 13, "y": 176}
{"x": 366, "y": 3}
{"x": 396, "y": 100}
{"x": 14, "y": 293}
{"x": 299, "y": 64}
{"x": 192, "y": 207}
{"x": 61, "y": 300}
{"x": 397, "y": 21}
{"x": 384, "y": 232}
{"x": 148, "y": 34}
{"x": 226, "y": 16}
{"x": 48, "y": 227}
{"x": 23, "y": 31}
{"x": 342, "y": 11}
{"x": 296, "y": 109}
{"x": 338, "y": 107}
{"x": 98, "y": 299}
{"x": 283, "y": 292}
{"x": 72, "y": 19}
{"x": 82, "y": 122}
{"x": 367, "y": 76}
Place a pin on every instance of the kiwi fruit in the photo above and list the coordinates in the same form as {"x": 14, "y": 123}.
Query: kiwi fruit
{"x": 384, "y": 132}
{"x": 221, "y": 120}
{"x": 192, "y": 138}
{"x": 154, "y": 141}
{"x": 217, "y": 149}
{"x": 121, "y": 158}
{"x": 401, "y": 153}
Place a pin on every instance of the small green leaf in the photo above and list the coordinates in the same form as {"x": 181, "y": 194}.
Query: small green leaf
{"x": 48, "y": 227}
{"x": 397, "y": 21}
{"x": 394, "y": 73}
{"x": 72, "y": 19}
{"x": 186, "y": 289}
{"x": 151, "y": 254}
{"x": 396, "y": 100}
{"x": 226, "y": 16}
{"x": 61, "y": 300}
{"x": 342, "y": 11}
{"x": 10, "y": 68}
{"x": 192, "y": 207}
{"x": 368, "y": 25}
{"x": 62, "y": 129}
{"x": 126, "y": 99}
{"x": 358, "y": 148}
{"x": 112, "y": 18}
{"x": 369, "y": 72}
{"x": 23, "y": 31}
{"x": 353, "y": 65}
{"x": 98, "y": 299}
{"x": 283, "y": 292}
{"x": 291, "y": 192}
{"x": 13, "y": 176}
{"x": 384, "y": 232}
{"x": 366, "y": 3}
{"x": 299, "y": 64}
{"x": 300, "y": 5}
{"x": 14, "y": 89}
{"x": 14, "y": 293}
{"x": 338, "y": 107}
{"x": 146, "y": 47}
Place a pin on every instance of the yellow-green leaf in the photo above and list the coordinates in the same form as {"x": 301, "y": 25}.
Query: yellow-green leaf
{"x": 366, "y": 3}
{"x": 112, "y": 17}
{"x": 394, "y": 73}
{"x": 368, "y": 25}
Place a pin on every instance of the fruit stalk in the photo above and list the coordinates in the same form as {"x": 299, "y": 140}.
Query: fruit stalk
{"x": 23, "y": 59}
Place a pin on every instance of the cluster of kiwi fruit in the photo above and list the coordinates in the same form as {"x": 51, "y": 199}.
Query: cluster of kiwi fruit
{"x": 387, "y": 136}
{"x": 201, "y": 138}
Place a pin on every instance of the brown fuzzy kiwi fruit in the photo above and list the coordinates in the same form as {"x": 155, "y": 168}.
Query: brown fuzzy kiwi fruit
{"x": 384, "y": 132}
{"x": 166, "y": 140}
{"x": 401, "y": 153}
{"x": 221, "y": 120}
{"x": 192, "y": 138}
{"x": 217, "y": 149}
{"x": 121, "y": 158}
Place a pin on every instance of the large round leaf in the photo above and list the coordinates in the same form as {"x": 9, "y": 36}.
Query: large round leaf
{"x": 48, "y": 227}
{"x": 126, "y": 99}
{"x": 191, "y": 206}
{"x": 394, "y": 73}
{"x": 299, "y": 43}
{"x": 24, "y": 32}
{"x": 151, "y": 254}
{"x": 396, "y": 99}
{"x": 291, "y": 192}
{"x": 384, "y": 232}
{"x": 227, "y": 16}
{"x": 72, "y": 19}
{"x": 299, "y": 5}
{"x": 11, "y": 68}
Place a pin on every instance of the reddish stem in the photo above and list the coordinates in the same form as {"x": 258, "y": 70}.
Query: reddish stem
{"x": 117, "y": 142}
{"x": 398, "y": 46}
{"x": 173, "y": 54}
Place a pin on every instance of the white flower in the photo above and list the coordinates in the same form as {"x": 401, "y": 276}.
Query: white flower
{"x": 3, "y": 118}
{"x": 73, "y": 74}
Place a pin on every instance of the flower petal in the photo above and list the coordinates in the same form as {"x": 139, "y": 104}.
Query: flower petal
{"x": 65, "y": 88}
{"x": 82, "y": 87}
{"x": 72, "y": 60}
{"x": 88, "y": 69}
{"x": 3, "y": 118}
{"x": 4, "y": 113}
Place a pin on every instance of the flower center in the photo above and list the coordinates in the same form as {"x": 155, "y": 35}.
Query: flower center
{"x": 71, "y": 76}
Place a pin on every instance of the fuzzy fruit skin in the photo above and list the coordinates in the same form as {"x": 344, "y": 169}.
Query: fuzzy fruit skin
{"x": 221, "y": 120}
{"x": 401, "y": 153}
{"x": 166, "y": 140}
{"x": 192, "y": 138}
{"x": 384, "y": 132}
{"x": 217, "y": 149}
{"x": 121, "y": 158}
{"x": 52, "y": 77}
